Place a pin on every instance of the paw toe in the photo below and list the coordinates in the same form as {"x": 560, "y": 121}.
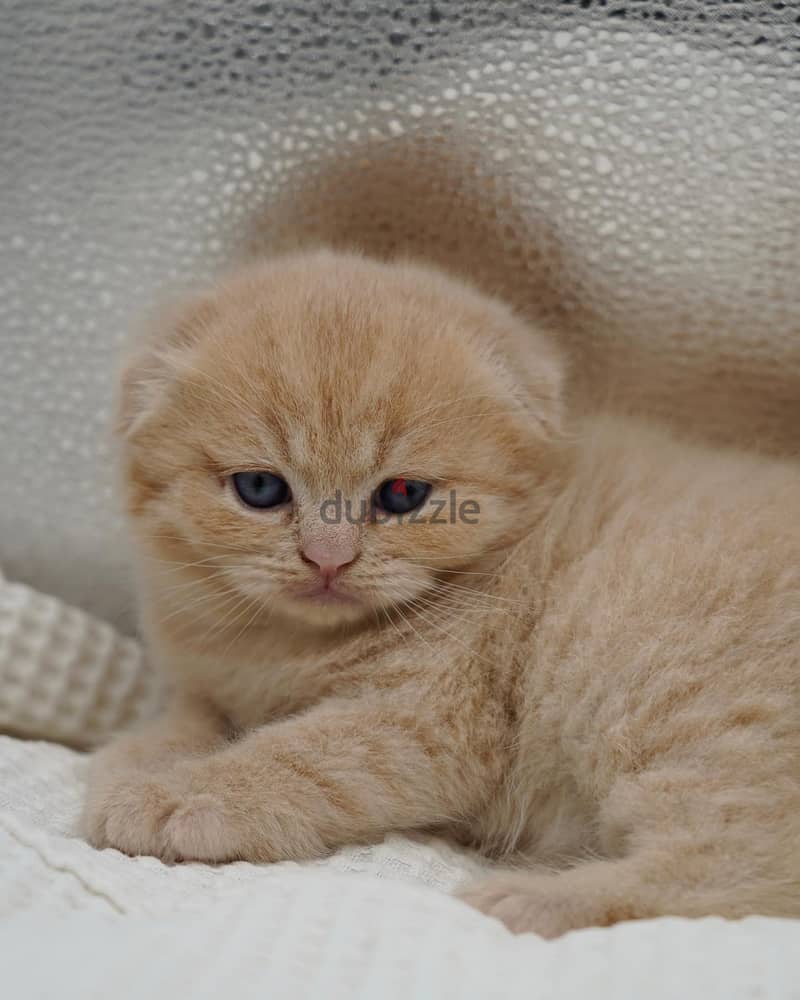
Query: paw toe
{"x": 197, "y": 830}
{"x": 135, "y": 818}
{"x": 519, "y": 906}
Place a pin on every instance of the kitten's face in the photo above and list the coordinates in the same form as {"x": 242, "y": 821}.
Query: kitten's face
{"x": 327, "y": 438}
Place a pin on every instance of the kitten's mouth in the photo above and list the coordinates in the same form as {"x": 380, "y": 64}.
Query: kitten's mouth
{"x": 320, "y": 594}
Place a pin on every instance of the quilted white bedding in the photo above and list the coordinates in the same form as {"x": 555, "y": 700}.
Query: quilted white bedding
{"x": 373, "y": 922}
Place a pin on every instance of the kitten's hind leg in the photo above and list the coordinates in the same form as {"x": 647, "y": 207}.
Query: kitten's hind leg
{"x": 684, "y": 848}
{"x": 594, "y": 893}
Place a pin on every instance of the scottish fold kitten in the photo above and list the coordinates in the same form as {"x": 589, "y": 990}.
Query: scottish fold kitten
{"x": 395, "y": 586}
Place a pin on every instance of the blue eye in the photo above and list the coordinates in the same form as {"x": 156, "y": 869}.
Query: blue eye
{"x": 399, "y": 496}
{"x": 260, "y": 489}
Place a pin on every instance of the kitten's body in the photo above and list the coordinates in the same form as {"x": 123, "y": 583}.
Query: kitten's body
{"x": 605, "y": 670}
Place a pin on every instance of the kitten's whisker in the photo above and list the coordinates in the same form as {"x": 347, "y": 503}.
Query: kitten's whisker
{"x": 260, "y": 561}
{"x": 187, "y": 629}
{"x": 444, "y": 631}
{"x": 177, "y": 563}
{"x": 470, "y": 605}
{"x": 247, "y": 625}
{"x": 225, "y": 546}
{"x": 441, "y": 598}
{"x": 202, "y": 543}
{"x": 473, "y": 604}
{"x": 444, "y": 608}
{"x": 446, "y": 584}
{"x": 203, "y": 581}
{"x": 478, "y": 553}
{"x": 456, "y": 572}
{"x": 177, "y": 567}
{"x": 447, "y": 590}
{"x": 233, "y": 615}
{"x": 227, "y": 603}
{"x": 392, "y": 623}
{"x": 476, "y": 602}
{"x": 203, "y": 599}
{"x": 398, "y": 609}
{"x": 182, "y": 606}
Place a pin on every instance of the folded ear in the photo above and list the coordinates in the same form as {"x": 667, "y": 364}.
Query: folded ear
{"x": 154, "y": 360}
{"x": 543, "y": 368}
{"x": 535, "y": 369}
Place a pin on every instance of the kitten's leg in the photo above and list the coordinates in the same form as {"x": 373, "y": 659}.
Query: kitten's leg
{"x": 690, "y": 849}
{"x": 345, "y": 771}
{"x": 593, "y": 894}
{"x": 120, "y": 773}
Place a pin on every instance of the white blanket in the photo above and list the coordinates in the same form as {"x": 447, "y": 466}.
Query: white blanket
{"x": 374, "y": 922}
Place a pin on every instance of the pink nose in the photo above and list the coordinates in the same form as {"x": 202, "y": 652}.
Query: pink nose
{"x": 328, "y": 557}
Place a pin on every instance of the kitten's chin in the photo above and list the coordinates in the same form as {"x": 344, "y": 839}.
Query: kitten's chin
{"x": 325, "y": 609}
{"x": 331, "y": 608}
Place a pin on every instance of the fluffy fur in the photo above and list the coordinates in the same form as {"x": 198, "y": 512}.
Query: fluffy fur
{"x": 601, "y": 676}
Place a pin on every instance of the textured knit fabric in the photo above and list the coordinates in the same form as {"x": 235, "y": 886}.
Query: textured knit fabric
{"x": 66, "y": 676}
{"x": 371, "y": 923}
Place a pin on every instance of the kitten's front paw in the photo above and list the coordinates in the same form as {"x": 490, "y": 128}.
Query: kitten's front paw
{"x": 129, "y": 813}
{"x": 526, "y": 904}
{"x": 159, "y": 816}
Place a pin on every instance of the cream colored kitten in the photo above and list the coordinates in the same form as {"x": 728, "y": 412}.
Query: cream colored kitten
{"x": 600, "y": 670}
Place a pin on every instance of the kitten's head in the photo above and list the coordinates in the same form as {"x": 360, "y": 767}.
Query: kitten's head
{"x": 325, "y": 436}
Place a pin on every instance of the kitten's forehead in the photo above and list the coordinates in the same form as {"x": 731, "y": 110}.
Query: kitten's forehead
{"x": 333, "y": 424}
{"x": 348, "y": 377}
{"x": 332, "y": 460}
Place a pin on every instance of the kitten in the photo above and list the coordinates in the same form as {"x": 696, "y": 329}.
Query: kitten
{"x": 591, "y": 659}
